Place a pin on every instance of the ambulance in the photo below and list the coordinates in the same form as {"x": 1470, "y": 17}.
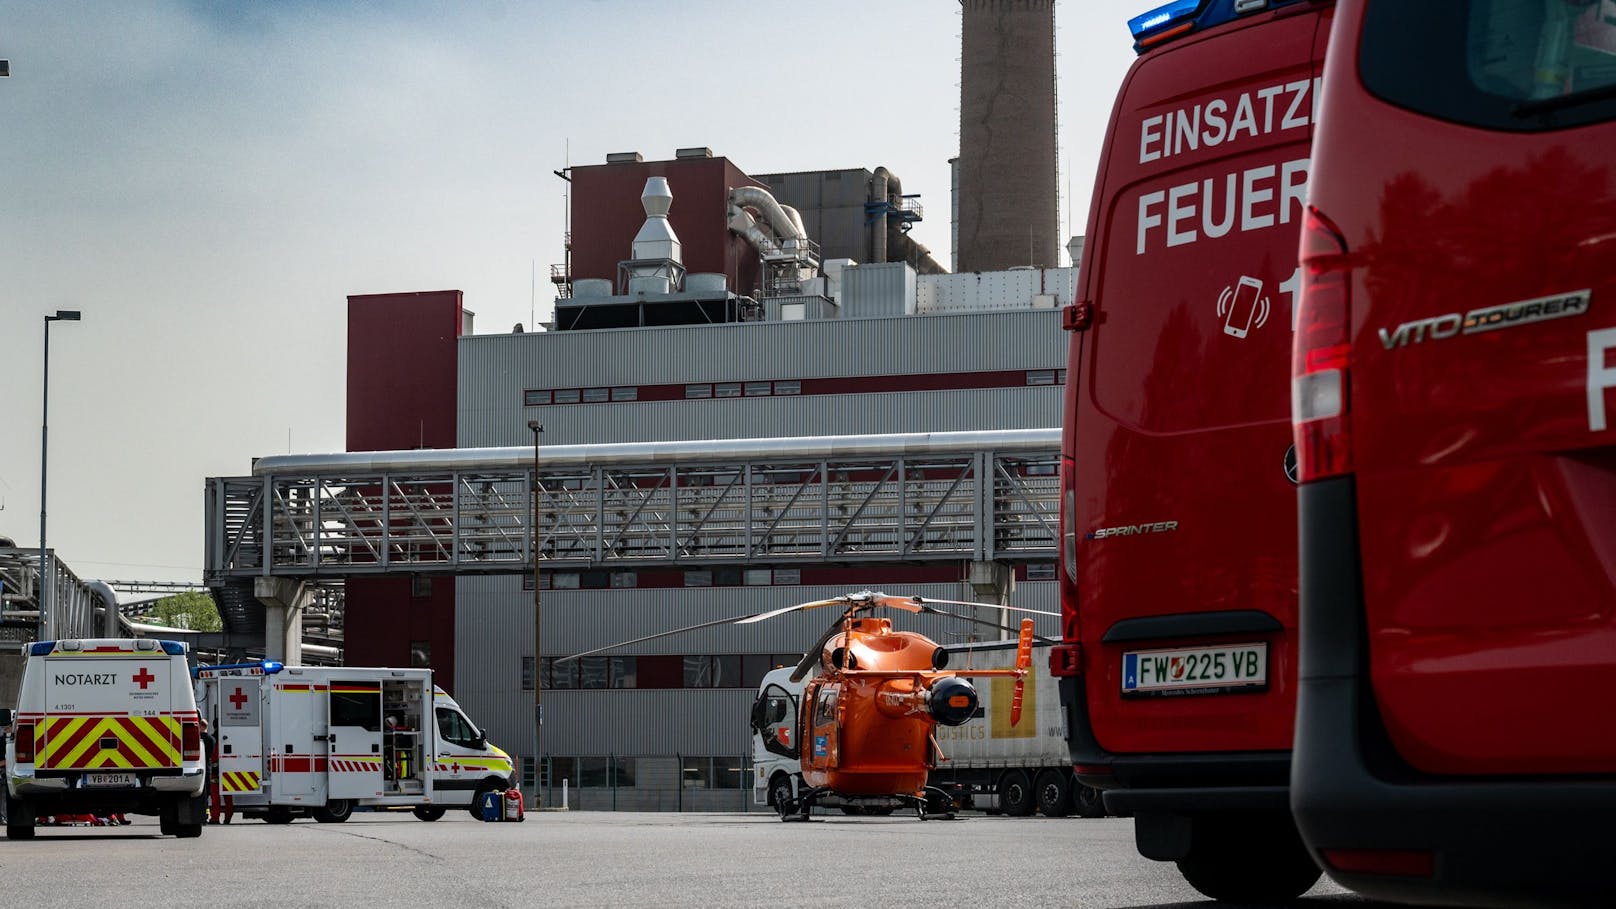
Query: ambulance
{"x": 105, "y": 726}
{"x": 316, "y": 741}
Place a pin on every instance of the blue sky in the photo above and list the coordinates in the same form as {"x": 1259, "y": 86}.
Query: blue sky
{"x": 207, "y": 182}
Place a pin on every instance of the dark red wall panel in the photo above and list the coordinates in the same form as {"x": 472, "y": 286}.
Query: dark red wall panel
{"x": 606, "y": 214}
{"x": 402, "y": 356}
{"x": 384, "y": 619}
{"x": 402, "y": 375}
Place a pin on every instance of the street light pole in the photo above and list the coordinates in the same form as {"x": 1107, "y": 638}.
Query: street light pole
{"x": 538, "y": 676}
{"x": 62, "y": 315}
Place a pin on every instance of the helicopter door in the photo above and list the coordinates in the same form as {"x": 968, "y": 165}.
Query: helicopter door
{"x": 774, "y": 716}
{"x": 822, "y": 731}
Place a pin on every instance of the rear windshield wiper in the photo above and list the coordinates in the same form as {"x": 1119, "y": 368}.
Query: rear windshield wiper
{"x": 1549, "y": 105}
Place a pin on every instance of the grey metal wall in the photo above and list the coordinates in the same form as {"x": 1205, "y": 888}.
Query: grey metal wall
{"x": 832, "y": 207}
{"x": 494, "y": 630}
{"x": 494, "y": 369}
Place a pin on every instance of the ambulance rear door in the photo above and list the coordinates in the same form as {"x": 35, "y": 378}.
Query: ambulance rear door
{"x": 237, "y": 702}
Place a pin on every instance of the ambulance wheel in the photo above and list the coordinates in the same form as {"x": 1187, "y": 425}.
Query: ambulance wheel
{"x": 483, "y": 788}
{"x": 1054, "y": 796}
{"x": 1015, "y": 794}
{"x": 19, "y": 819}
{"x": 278, "y": 815}
{"x": 187, "y": 831}
{"x": 335, "y": 811}
{"x": 427, "y": 812}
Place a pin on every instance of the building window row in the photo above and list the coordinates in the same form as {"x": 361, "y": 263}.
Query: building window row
{"x": 721, "y": 670}
{"x": 764, "y": 388}
{"x": 601, "y": 579}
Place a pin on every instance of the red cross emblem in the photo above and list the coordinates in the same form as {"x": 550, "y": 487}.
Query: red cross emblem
{"x": 237, "y": 700}
{"x": 144, "y": 678}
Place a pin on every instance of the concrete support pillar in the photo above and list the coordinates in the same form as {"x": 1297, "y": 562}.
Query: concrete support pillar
{"x": 284, "y": 600}
{"x": 994, "y": 582}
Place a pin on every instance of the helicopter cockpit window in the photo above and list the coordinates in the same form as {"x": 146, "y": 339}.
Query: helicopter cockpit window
{"x": 825, "y": 707}
{"x": 775, "y": 717}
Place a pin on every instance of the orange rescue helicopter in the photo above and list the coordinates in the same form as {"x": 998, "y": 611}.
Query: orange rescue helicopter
{"x": 869, "y": 716}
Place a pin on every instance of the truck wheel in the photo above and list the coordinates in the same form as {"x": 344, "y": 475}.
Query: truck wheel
{"x": 335, "y": 811}
{"x": 168, "y": 819}
{"x": 278, "y": 815}
{"x": 1087, "y": 801}
{"x": 780, "y": 795}
{"x": 1054, "y": 796}
{"x": 187, "y": 831}
{"x": 1249, "y": 860}
{"x": 427, "y": 812}
{"x": 476, "y": 807}
{"x": 1015, "y": 794}
{"x": 19, "y": 819}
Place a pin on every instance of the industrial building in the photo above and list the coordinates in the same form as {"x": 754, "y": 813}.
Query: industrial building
{"x": 710, "y": 317}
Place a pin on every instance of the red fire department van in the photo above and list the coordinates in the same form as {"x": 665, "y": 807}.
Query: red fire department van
{"x": 1178, "y": 578}
{"x": 1455, "y": 393}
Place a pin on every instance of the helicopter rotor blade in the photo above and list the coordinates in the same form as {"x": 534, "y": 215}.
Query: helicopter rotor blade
{"x": 813, "y": 604}
{"x": 812, "y": 655}
{"x": 925, "y": 600}
{"x": 930, "y": 610}
{"x": 1023, "y": 663}
{"x": 651, "y": 637}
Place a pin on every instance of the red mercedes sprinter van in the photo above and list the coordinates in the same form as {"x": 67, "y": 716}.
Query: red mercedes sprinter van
{"x": 1178, "y": 578}
{"x": 1455, "y": 398}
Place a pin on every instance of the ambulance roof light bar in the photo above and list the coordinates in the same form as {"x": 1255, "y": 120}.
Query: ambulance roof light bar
{"x": 257, "y": 667}
{"x": 1182, "y": 17}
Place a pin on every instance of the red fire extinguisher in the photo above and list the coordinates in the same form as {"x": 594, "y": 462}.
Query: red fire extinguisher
{"x": 513, "y": 805}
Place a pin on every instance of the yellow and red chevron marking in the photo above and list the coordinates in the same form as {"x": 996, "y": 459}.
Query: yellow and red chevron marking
{"x": 80, "y": 742}
{"x": 239, "y": 781}
{"x": 356, "y": 765}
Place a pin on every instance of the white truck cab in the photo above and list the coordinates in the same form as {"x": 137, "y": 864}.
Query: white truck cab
{"x": 318, "y": 741}
{"x": 105, "y": 726}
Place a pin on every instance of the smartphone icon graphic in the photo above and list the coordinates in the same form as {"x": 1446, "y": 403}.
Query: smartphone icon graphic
{"x": 1244, "y": 308}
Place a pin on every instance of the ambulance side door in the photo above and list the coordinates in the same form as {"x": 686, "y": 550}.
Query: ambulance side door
{"x": 457, "y": 742}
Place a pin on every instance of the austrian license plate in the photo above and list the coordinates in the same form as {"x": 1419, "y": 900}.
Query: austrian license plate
{"x": 1195, "y": 670}
{"x": 106, "y": 780}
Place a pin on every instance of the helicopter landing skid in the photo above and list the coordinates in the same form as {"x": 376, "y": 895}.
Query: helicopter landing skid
{"x": 935, "y": 804}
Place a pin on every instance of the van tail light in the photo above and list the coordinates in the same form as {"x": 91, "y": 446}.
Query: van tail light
{"x": 1387, "y": 862}
{"x": 25, "y": 743}
{"x": 190, "y": 740}
{"x": 1321, "y": 361}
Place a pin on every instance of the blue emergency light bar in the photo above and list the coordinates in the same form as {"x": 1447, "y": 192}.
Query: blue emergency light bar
{"x": 257, "y": 667}
{"x": 1185, "y": 17}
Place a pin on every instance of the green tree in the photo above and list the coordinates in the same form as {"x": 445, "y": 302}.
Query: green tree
{"x": 193, "y": 609}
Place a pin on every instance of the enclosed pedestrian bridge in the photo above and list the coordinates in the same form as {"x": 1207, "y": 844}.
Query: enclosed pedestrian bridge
{"x": 987, "y": 496}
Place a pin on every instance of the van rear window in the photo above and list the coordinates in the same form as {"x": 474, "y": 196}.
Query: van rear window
{"x": 1516, "y": 65}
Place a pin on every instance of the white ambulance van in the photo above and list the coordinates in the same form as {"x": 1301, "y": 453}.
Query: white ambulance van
{"x": 318, "y": 741}
{"x": 105, "y": 726}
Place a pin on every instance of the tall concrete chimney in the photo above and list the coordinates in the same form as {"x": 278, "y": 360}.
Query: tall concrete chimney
{"x": 1008, "y": 205}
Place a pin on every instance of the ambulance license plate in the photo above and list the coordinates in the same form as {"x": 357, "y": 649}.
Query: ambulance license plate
{"x": 108, "y": 780}
{"x": 1195, "y": 670}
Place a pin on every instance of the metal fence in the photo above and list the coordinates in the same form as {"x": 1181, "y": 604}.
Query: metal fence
{"x": 674, "y": 782}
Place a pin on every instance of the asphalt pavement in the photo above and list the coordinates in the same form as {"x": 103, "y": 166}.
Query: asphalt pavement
{"x": 604, "y": 859}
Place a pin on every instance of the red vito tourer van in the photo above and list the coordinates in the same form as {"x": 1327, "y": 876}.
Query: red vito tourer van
{"x": 1454, "y": 394}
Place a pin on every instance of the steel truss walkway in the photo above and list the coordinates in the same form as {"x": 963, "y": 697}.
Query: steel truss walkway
{"x": 979, "y": 496}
